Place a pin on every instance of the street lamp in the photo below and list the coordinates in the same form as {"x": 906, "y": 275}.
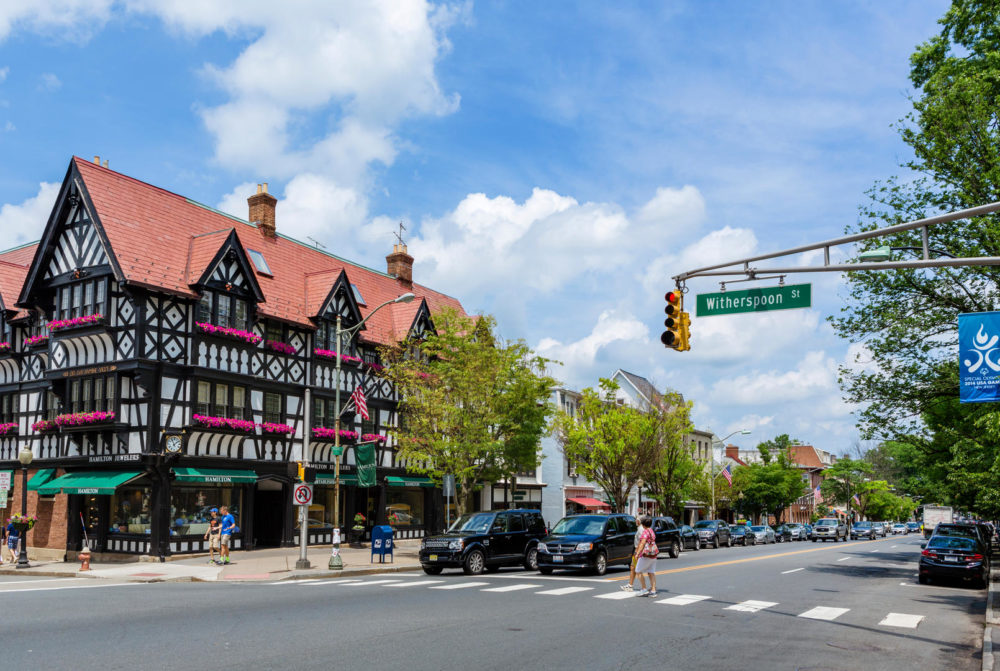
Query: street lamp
{"x": 721, "y": 441}
{"x": 25, "y": 458}
{"x": 639, "y": 483}
{"x": 336, "y": 562}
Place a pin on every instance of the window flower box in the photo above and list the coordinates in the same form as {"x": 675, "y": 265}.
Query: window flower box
{"x": 243, "y": 425}
{"x": 43, "y": 425}
{"x": 323, "y": 433}
{"x": 87, "y": 320}
{"x": 226, "y": 332}
{"x": 330, "y": 354}
{"x": 372, "y": 438}
{"x": 6, "y": 348}
{"x": 280, "y": 347}
{"x": 8, "y": 429}
{"x": 274, "y": 427}
{"x": 36, "y": 341}
{"x": 375, "y": 367}
{"x": 84, "y": 418}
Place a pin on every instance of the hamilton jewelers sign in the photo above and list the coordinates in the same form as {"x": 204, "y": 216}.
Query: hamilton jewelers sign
{"x": 979, "y": 357}
{"x": 761, "y": 299}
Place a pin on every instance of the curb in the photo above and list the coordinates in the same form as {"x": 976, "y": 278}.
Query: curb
{"x": 992, "y": 616}
{"x": 988, "y": 649}
{"x": 274, "y": 577}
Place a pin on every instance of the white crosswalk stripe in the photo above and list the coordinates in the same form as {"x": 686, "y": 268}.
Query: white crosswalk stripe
{"x": 683, "y": 599}
{"x": 460, "y": 585}
{"x": 510, "y": 588}
{"x": 372, "y": 582}
{"x": 614, "y": 596}
{"x": 417, "y": 583}
{"x": 902, "y": 620}
{"x": 565, "y": 590}
{"x": 824, "y": 613}
{"x": 751, "y": 606}
{"x": 342, "y": 581}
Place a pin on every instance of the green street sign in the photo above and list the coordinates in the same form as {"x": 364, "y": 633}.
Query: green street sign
{"x": 763, "y": 299}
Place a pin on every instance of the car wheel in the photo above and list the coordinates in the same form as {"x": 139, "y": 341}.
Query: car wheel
{"x": 697, "y": 544}
{"x": 814, "y": 540}
{"x": 531, "y": 559}
{"x": 474, "y": 563}
{"x": 545, "y": 570}
{"x": 432, "y": 570}
{"x": 675, "y": 549}
{"x": 922, "y": 579}
{"x": 601, "y": 564}
{"x": 729, "y": 542}
{"x": 753, "y": 541}
{"x": 715, "y": 542}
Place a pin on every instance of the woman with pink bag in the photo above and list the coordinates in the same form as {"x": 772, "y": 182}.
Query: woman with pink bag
{"x": 647, "y": 553}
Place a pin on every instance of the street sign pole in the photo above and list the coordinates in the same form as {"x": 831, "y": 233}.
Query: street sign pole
{"x": 302, "y": 497}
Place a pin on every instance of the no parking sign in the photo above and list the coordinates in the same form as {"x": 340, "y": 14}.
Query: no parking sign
{"x": 302, "y": 494}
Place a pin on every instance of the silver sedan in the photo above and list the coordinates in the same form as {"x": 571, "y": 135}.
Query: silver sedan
{"x": 764, "y": 534}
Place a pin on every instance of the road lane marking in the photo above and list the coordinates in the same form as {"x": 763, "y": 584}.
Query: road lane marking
{"x": 460, "y": 585}
{"x": 792, "y": 571}
{"x": 565, "y": 590}
{"x": 342, "y": 581}
{"x": 416, "y": 583}
{"x": 875, "y": 550}
{"x": 902, "y": 620}
{"x": 751, "y": 606}
{"x": 512, "y": 588}
{"x": 302, "y": 582}
{"x": 48, "y": 589}
{"x": 372, "y": 582}
{"x": 743, "y": 561}
{"x": 683, "y": 599}
{"x": 616, "y": 595}
{"x": 843, "y": 559}
{"x": 893, "y": 547}
{"x": 824, "y": 613}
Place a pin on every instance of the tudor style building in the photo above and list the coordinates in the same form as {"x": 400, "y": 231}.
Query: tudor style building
{"x": 161, "y": 358}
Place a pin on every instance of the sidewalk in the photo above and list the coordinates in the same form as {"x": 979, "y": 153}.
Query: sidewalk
{"x": 270, "y": 564}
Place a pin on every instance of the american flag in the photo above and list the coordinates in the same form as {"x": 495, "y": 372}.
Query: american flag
{"x": 359, "y": 402}
{"x": 727, "y": 475}
{"x": 856, "y": 500}
{"x": 817, "y": 494}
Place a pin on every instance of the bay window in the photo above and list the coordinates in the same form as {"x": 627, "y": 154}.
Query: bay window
{"x": 90, "y": 394}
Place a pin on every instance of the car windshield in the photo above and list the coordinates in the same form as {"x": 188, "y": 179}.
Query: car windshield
{"x": 827, "y": 523}
{"x": 472, "y": 523}
{"x": 951, "y": 543}
{"x": 585, "y": 524}
{"x": 955, "y": 531}
{"x": 862, "y": 525}
{"x": 705, "y": 524}
{"x": 757, "y": 528}
{"x": 739, "y": 531}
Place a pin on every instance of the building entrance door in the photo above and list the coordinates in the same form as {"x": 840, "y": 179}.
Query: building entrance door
{"x": 268, "y": 515}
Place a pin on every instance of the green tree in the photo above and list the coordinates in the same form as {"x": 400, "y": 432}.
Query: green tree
{"x": 669, "y": 480}
{"x": 845, "y": 479}
{"x": 610, "y": 444}
{"x": 770, "y": 487}
{"x": 471, "y": 405}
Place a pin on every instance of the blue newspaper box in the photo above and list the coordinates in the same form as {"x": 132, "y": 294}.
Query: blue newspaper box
{"x": 382, "y": 543}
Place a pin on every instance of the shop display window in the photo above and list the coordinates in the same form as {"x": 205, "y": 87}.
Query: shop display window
{"x": 321, "y": 511}
{"x": 404, "y": 506}
{"x": 131, "y": 510}
{"x": 190, "y": 507}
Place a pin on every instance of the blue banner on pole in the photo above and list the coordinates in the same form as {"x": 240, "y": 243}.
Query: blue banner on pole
{"x": 979, "y": 357}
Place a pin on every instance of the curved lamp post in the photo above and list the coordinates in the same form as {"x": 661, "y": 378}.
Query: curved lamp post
{"x": 25, "y": 457}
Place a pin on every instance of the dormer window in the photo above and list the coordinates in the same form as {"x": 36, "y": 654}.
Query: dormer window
{"x": 326, "y": 337}
{"x": 221, "y": 309}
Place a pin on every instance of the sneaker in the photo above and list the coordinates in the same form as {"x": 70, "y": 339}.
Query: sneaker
{"x": 626, "y": 588}
{"x": 644, "y": 592}
{"x": 652, "y": 595}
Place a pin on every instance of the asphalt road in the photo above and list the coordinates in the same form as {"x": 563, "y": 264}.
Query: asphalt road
{"x": 853, "y": 605}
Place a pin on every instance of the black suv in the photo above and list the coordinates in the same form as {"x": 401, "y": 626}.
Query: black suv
{"x": 668, "y": 536}
{"x": 485, "y": 541}
{"x": 714, "y": 533}
{"x": 589, "y": 542}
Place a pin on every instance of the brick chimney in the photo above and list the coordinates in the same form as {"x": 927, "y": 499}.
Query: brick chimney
{"x": 262, "y": 205}
{"x": 732, "y": 451}
{"x": 400, "y": 264}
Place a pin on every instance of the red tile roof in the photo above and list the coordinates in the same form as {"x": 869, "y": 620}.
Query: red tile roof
{"x": 14, "y": 265}
{"x": 805, "y": 455}
{"x": 164, "y": 241}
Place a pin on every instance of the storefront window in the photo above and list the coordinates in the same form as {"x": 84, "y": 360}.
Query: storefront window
{"x": 131, "y": 510}
{"x": 321, "y": 511}
{"x": 404, "y": 506}
{"x": 190, "y": 507}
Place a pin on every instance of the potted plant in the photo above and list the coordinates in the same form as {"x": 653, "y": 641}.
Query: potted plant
{"x": 22, "y": 522}
{"x": 357, "y": 534}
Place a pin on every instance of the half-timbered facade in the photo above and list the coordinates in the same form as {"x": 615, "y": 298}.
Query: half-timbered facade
{"x": 161, "y": 358}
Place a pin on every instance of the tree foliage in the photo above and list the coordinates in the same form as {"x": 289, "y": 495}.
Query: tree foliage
{"x": 471, "y": 404}
{"x": 672, "y": 476}
{"x": 771, "y": 487}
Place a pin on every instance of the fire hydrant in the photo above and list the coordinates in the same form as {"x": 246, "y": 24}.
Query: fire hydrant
{"x": 84, "y": 556}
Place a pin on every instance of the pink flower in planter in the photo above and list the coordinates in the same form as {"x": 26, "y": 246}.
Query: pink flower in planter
{"x": 330, "y": 354}
{"x": 236, "y": 334}
{"x": 36, "y": 340}
{"x": 323, "y": 432}
{"x": 75, "y": 321}
{"x": 84, "y": 418}
{"x": 5, "y": 347}
{"x": 273, "y": 427}
{"x": 8, "y": 428}
{"x": 278, "y": 346}
{"x": 224, "y": 423}
{"x": 372, "y": 437}
{"x": 377, "y": 367}
{"x": 43, "y": 425}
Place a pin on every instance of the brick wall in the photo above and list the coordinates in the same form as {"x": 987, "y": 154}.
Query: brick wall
{"x": 48, "y": 537}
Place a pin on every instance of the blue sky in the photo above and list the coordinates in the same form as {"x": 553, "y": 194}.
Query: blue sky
{"x": 554, "y": 163}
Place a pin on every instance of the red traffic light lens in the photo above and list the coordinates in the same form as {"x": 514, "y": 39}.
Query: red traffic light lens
{"x": 671, "y": 296}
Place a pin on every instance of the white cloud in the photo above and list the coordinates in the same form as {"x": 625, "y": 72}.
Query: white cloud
{"x": 816, "y": 374}
{"x": 582, "y": 354}
{"x": 9, "y": 126}
{"x": 4, "y": 71}
{"x": 50, "y": 82}
{"x": 73, "y": 20}
{"x": 22, "y": 223}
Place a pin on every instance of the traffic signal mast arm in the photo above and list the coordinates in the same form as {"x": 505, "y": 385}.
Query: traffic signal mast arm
{"x": 725, "y": 269}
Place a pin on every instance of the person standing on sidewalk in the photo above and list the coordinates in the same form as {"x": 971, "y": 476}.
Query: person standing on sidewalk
{"x": 212, "y": 536}
{"x": 647, "y": 553}
{"x": 635, "y": 558}
{"x": 13, "y": 537}
{"x": 228, "y": 526}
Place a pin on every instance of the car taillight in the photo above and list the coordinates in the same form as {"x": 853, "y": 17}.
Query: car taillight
{"x": 976, "y": 557}
{"x": 928, "y": 553}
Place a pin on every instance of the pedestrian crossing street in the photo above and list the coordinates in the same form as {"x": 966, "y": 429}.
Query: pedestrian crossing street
{"x": 824, "y": 613}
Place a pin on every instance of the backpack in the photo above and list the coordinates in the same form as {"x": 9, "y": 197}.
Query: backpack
{"x": 650, "y": 550}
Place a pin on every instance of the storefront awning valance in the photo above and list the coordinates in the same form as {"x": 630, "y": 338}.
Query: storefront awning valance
{"x": 89, "y": 482}
{"x": 41, "y": 476}
{"x": 220, "y": 475}
{"x": 408, "y": 481}
{"x": 589, "y": 503}
{"x": 331, "y": 479}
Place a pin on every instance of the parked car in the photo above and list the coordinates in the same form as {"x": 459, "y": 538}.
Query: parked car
{"x": 881, "y": 528}
{"x": 591, "y": 542}
{"x": 809, "y": 531}
{"x": 689, "y": 538}
{"x": 954, "y": 557}
{"x": 485, "y": 541}
{"x": 864, "y": 530}
{"x": 764, "y": 533}
{"x": 830, "y": 528}
{"x": 743, "y": 536}
{"x": 899, "y": 528}
{"x": 667, "y": 536}
{"x": 714, "y": 533}
{"x": 913, "y": 527}
{"x": 782, "y": 533}
{"x": 798, "y": 531}
{"x": 976, "y": 531}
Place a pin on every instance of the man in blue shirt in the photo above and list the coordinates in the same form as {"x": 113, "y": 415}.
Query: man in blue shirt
{"x": 13, "y": 536}
{"x": 228, "y": 528}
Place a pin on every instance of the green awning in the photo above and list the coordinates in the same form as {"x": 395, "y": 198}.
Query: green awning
{"x": 214, "y": 475}
{"x": 89, "y": 482}
{"x": 408, "y": 481}
{"x": 331, "y": 479}
{"x": 41, "y": 476}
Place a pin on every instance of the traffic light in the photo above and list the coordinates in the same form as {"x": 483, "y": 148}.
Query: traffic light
{"x": 677, "y": 322}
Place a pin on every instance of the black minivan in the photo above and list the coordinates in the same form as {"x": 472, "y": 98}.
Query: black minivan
{"x": 591, "y": 542}
{"x": 485, "y": 541}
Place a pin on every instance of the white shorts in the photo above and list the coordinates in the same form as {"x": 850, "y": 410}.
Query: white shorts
{"x": 225, "y": 540}
{"x": 646, "y": 565}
